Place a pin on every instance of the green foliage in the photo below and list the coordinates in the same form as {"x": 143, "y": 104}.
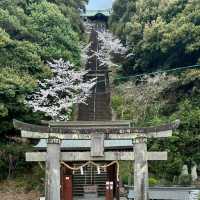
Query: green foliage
{"x": 188, "y": 138}
{"x": 153, "y": 182}
{"x": 14, "y": 85}
{"x": 183, "y": 147}
{"x": 4, "y": 38}
{"x": 53, "y": 32}
{"x": 12, "y": 159}
{"x": 36, "y": 178}
{"x": 25, "y": 57}
{"x": 185, "y": 180}
{"x": 32, "y": 32}
{"x": 48, "y": 30}
{"x": 160, "y": 34}
{"x": 126, "y": 172}
{"x": 178, "y": 100}
{"x": 71, "y": 10}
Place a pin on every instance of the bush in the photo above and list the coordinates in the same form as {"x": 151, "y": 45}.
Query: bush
{"x": 185, "y": 180}
{"x": 153, "y": 182}
{"x": 12, "y": 160}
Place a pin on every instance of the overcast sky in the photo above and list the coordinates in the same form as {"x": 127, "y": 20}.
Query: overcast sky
{"x": 99, "y": 4}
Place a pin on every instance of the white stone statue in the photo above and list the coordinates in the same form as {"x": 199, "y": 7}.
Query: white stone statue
{"x": 194, "y": 173}
{"x": 184, "y": 170}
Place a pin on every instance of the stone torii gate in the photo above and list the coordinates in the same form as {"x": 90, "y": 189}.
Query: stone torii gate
{"x": 97, "y": 132}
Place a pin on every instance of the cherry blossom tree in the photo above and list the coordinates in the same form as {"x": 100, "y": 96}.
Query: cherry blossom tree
{"x": 110, "y": 46}
{"x": 84, "y": 53}
{"x": 57, "y": 95}
{"x": 142, "y": 96}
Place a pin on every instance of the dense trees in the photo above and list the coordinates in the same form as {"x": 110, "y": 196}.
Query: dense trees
{"x": 33, "y": 32}
{"x": 159, "y": 33}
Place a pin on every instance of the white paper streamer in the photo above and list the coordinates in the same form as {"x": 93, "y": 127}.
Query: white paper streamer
{"x": 98, "y": 170}
{"x": 82, "y": 173}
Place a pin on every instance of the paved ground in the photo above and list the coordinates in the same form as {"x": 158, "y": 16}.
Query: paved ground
{"x": 92, "y": 198}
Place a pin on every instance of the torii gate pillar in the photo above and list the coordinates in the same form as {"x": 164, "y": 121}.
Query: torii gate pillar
{"x": 53, "y": 169}
{"x": 141, "y": 185}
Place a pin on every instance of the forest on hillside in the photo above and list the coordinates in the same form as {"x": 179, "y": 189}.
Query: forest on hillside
{"x": 160, "y": 36}
{"x": 32, "y": 33}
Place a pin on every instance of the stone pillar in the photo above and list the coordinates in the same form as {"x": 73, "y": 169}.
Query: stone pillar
{"x": 53, "y": 169}
{"x": 141, "y": 185}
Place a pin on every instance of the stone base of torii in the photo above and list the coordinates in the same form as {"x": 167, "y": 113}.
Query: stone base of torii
{"x": 56, "y": 132}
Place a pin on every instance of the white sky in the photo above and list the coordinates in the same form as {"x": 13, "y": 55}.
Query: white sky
{"x": 99, "y": 4}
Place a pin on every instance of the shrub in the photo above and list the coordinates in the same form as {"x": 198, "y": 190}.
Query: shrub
{"x": 153, "y": 181}
{"x": 185, "y": 180}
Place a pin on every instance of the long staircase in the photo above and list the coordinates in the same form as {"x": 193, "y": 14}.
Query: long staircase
{"x": 97, "y": 108}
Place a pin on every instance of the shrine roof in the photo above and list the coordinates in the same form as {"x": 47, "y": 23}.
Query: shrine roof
{"x": 92, "y": 13}
{"x": 85, "y": 144}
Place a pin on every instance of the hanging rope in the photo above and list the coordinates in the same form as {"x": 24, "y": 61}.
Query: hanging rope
{"x": 94, "y": 164}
